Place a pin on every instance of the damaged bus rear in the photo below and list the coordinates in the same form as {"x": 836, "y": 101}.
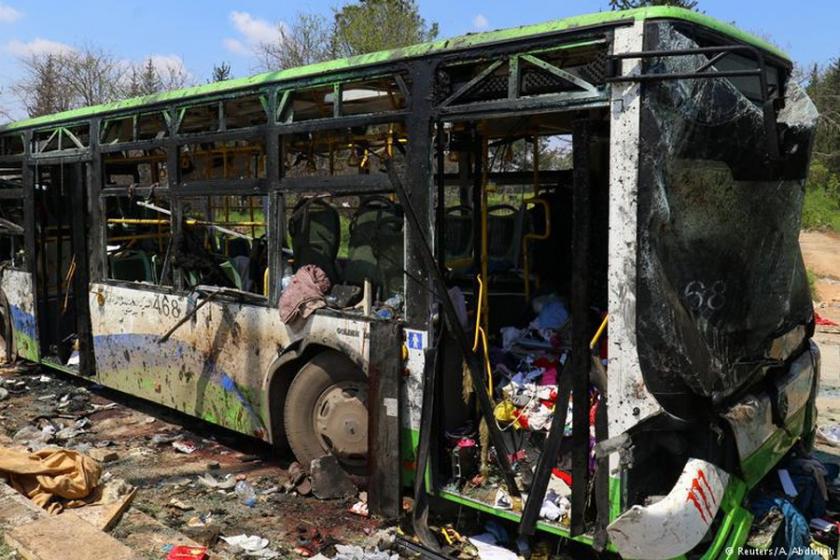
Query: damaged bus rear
{"x": 716, "y": 371}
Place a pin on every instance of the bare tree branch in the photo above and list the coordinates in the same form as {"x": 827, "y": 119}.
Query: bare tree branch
{"x": 307, "y": 41}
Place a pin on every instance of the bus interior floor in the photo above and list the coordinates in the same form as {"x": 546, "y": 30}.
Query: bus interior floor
{"x": 528, "y": 362}
{"x": 185, "y": 471}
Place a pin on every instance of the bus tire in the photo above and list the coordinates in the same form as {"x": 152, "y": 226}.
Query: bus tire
{"x": 326, "y": 412}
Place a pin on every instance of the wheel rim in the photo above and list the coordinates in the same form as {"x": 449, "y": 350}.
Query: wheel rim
{"x": 340, "y": 421}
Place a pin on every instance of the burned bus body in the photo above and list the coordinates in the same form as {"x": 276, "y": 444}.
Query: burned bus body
{"x": 563, "y": 257}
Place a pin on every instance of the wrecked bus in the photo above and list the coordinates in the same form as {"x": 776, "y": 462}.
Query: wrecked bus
{"x": 601, "y": 211}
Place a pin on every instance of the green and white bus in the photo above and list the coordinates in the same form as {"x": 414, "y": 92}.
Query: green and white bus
{"x": 458, "y": 235}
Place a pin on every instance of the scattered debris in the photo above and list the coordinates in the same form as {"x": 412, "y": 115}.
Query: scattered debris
{"x": 829, "y": 435}
{"x": 147, "y": 472}
{"x": 182, "y": 552}
{"x": 162, "y": 438}
{"x": 329, "y": 481}
{"x": 824, "y": 322}
{"x": 199, "y": 521}
{"x": 245, "y": 492}
{"x": 360, "y": 507}
{"x": 103, "y": 455}
{"x": 296, "y": 477}
{"x": 210, "y": 481}
{"x": 355, "y": 552}
{"x": 310, "y": 541}
{"x": 34, "y": 437}
{"x": 489, "y": 543}
{"x": 251, "y": 545}
{"x": 184, "y": 446}
{"x": 178, "y": 504}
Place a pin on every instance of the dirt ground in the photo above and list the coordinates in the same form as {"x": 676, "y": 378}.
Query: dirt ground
{"x": 141, "y": 434}
{"x": 821, "y": 251}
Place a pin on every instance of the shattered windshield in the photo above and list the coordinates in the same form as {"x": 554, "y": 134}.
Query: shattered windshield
{"x": 721, "y": 279}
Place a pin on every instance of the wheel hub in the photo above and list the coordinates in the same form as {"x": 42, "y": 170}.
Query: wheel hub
{"x": 340, "y": 419}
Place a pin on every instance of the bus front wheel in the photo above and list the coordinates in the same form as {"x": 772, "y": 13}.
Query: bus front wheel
{"x": 326, "y": 412}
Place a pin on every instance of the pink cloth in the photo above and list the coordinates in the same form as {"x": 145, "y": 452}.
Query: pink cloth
{"x": 304, "y": 294}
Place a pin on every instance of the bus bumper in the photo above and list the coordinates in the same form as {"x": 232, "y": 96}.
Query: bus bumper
{"x": 765, "y": 426}
{"x": 677, "y": 523}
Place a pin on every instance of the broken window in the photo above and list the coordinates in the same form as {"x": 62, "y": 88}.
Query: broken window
{"x": 353, "y": 238}
{"x": 62, "y": 138}
{"x": 199, "y": 118}
{"x": 720, "y": 273}
{"x": 239, "y": 159}
{"x": 474, "y": 81}
{"x": 223, "y": 242}
{"x": 152, "y": 126}
{"x": 135, "y": 168}
{"x": 12, "y": 248}
{"x": 308, "y": 104}
{"x": 371, "y": 96}
{"x": 46, "y": 141}
{"x": 115, "y": 131}
{"x": 75, "y": 137}
{"x": 563, "y": 70}
{"x": 11, "y": 145}
{"x": 11, "y": 176}
{"x": 244, "y": 112}
{"x": 138, "y": 233}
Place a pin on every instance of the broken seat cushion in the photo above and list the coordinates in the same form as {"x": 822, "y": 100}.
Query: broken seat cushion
{"x": 52, "y": 478}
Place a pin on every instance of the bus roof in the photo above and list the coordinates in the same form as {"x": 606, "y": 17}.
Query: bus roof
{"x": 413, "y": 51}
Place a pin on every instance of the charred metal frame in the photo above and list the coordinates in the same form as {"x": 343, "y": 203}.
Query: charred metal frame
{"x": 702, "y": 72}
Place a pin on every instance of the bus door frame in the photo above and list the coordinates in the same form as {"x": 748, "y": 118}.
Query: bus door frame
{"x": 76, "y": 190}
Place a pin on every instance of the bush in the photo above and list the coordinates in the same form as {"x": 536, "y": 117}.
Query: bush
{"x": 820, "y": 210}
{"x": 812, "y": 285}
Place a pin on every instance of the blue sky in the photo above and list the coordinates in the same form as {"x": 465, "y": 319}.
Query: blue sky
{"x": 199, "y": 34}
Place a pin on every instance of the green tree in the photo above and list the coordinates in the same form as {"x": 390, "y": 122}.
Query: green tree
{"x": 372, "y": 25}
{"x": 824, "y": 90}
{"x": 628, "y": 4}
{"x": 822, "y": 196}
{"x": 150, "y": 81}
{"x": 358, "y": 27}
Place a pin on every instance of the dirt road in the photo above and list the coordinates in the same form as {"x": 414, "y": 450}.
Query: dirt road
{"x": 821, "y": 251}
{"x": 141, "y": 437}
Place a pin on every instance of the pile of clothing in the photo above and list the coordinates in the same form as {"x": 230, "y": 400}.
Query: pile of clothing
{"x": 527, "y": 366}
{"x": 530, "y": 395}
{"x": 797, "y": 507}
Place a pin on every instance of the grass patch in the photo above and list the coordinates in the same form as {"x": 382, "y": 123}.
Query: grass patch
{"x": 812, "y": 285}
{"x": 6, "y": 552}
{"x": 820, "y": 210}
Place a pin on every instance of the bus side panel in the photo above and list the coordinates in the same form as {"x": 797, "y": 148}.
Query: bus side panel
{"x": 214, "y": 366}
{"x": 411, "y": 397}
{"x": 18, "y": 289}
